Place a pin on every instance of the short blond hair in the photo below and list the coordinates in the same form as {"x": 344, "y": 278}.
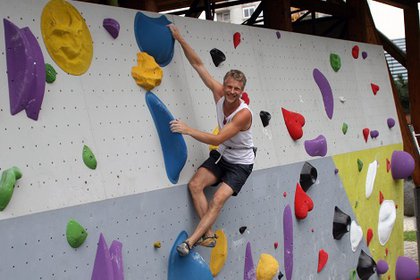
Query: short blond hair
{"x": 237, "y": 76}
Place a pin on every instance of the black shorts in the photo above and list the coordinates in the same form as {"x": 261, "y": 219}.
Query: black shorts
{"x": 234, "y": 175}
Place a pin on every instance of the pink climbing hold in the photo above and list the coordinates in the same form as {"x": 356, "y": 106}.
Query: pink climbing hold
{"x": 317, "y": 146}
{"x": 322, "y": 259}
{"x": 366, "y": 134}
{"x": 303, "y": 203}
{"x": 406, "y": 269}
{"x": 355, "y": 52}
{"x": 236, "y": 39}
{"x": 369, "y": 236}
{"x": 294, "y": 123}
{"x": 375, "y": 88}
{"x": 245, "y": 97}
{"x": 284, "y": 194}
{"x": 402, "y": 165}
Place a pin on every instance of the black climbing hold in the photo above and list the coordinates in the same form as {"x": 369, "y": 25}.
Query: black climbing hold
{"x": 366, "y": 266}
{"x": 265, "y": 118}
{"x": 218, "y": 56}
{"x": 308, "y": 176}
{"x": 341, "y": 224}
{"x": 280, "y": 275}
{"x": 242, "y": 230}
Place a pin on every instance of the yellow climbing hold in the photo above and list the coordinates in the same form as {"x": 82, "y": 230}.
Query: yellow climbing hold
{"x": 215, "y": 132}
{"x": 66, "y": 37}
{"x": 157, "y": 245}
{"x": 147, "y": 73}
{"x": 219, "y": 253}
{"x": 267, "y": 267}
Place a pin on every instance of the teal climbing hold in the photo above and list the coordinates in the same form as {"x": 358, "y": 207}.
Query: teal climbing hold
{"x": 7, "y": 185}
{"x": 335, "y": 62}
{"x": 89, "y": 158}
{"x": 344, "y": 128}
{"x": 359, "y": 164}
{"x": 189, "y": 267}
{"x": 75, "y": 234}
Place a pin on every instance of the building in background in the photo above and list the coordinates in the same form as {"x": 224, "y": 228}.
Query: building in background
{"x": 394, "y": 66}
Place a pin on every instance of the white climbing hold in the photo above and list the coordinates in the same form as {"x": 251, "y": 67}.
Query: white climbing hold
{"x": 370, "y": 178}
{"x": 356, "y": 235}
{"x": 387, "y": 216}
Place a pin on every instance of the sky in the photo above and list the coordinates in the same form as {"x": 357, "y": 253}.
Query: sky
{"x": 388, "y": 19}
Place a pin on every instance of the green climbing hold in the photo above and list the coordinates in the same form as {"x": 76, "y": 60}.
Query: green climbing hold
{"x": 51, "y": 74}
{"x": 335, "y": 62}
{"x": 89, "y": 158}
{"x": 359, "y": 164}
{"x": 353, "y": 275}
{"x": 7, "y": 185}
{"x": 344, "y": 128}
{"x": 75, "y": 234}
{"x": 356, "y": 204}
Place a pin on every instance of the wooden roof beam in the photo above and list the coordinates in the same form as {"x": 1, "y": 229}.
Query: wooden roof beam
{"x": 329, "y": 8}
{"x": 393, "y": 50}
{"x": 402, "y": 4}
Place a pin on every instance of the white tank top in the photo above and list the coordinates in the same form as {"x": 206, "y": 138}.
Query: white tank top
{"x": 239, "y": 148}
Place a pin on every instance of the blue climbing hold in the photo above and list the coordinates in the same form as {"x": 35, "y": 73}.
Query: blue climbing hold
{"x": 154, "y": 37}
{"x": 173, "y": 144}
{"x": 190, "y": 267}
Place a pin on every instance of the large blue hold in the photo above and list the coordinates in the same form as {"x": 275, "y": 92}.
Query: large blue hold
{"x": 190, "y": 267}
{"x": 154, "y": 37}
{"x": 173, "y": 144}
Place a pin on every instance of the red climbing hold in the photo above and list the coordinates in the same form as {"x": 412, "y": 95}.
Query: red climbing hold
{"x": 375, "y": 88}
{"x": 245, "y": 97}
{"x": 381, "y": 197}
{"x": 386, "y": 252}
{"x": 369, "y": 236}
{"x": 236, "y": 39}
{"x": 322, "y": 259}
{"x": 366, "y": 134}
{"x": 355, "y": 52}
{"x": 303, "y": 203}
{"x": 284, "y": 194}
{"x": 276, "y": 245}
{"x": 294, "y": 123}
{"x": 388, "y": 165}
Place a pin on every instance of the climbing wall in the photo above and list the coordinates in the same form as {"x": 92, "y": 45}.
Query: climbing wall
{"x": 129, "y": 198}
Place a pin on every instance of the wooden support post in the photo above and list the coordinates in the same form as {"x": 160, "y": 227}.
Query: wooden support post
{"x": 277, "y": 14}
{"x": 412, "y": 33}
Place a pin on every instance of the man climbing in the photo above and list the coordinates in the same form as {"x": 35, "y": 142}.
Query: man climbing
{"x": 232, "y": 163}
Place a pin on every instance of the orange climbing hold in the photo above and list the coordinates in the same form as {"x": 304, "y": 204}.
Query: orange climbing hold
{"x": 303, "y": 203}
{"x": 236, "y": 39}
{"x": 322, "y": 259}
{"x": 381, "y": 197}
{"x": 369, "y": 236}
{"x": 388, "y": 165}
{"x": 294, "y": 123}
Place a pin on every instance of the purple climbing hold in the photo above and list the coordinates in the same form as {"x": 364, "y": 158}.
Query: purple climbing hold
{"x": 102, "y": 268}
{"x": 374, "y": 133}
{"x": 402, "y": 165}
{"x": 326, "y": 92}
{"x": 25, "y": 70}
{"x": 336, "y": 171}
{"x": 288, "y": 241}
{"x": 390, "y": 122}
{"x": 112, "y": 26}
{"x": 381, "y": 267}
{"x": 317, "y": 146}
{"x": 278, "y": 34}
{"x": 249, "y": 269}
{"x": 364, "y": 55}
{"x": 406, "y": 269}
{"x": 115, "y": 252}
